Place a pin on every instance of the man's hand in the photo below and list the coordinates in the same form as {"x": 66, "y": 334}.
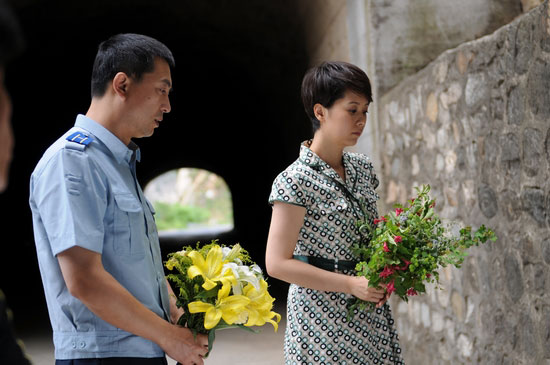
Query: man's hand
{"x": 184, "y": 347}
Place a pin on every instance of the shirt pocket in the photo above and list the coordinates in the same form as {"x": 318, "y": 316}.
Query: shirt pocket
{"x": 151, "y": 207}
{"x": 129, "y": 227}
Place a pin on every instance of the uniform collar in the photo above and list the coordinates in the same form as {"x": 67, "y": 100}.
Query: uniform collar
{"x": 121, "y": 152}
{"x": 310, "y": 158}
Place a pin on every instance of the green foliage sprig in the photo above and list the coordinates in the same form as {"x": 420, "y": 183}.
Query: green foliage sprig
{"x": 404, "y": 249}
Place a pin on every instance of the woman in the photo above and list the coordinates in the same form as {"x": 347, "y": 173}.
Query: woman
{"x": 316, "y": 202}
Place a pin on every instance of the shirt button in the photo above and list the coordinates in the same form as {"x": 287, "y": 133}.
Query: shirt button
{"x": 82, "y": 344}
{"x": 73, "y": 344}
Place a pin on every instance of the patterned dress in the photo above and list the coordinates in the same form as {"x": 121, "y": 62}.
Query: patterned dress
{"x": 318, "y": 331}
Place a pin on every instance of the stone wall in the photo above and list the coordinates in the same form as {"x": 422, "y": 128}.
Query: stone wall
{"x": 475, "y": 125}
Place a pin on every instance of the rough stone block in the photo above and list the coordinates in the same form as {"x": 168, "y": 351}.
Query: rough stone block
{"x": 457, "y": 304}
{"x": 532, "y": 149}
{"x": 477, "y": 90}
{"x": 514, "y": 277}
{"x": 524, "y": 46}
{"x": 516, "y": 106}
{"x": 509, "y": 146}
{"x": 533, "y": 202}
{"x": 431, "y": 107}
{"x": 487, "y": 201}
{"x": 537, "y": 89}
{"x": 546, "y": 251}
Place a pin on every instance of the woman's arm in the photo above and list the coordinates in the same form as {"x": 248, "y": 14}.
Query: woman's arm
{"x": 286, "y": 221}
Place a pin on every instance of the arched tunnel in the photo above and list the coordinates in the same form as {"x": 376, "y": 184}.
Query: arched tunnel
{"x": 236, "y": 109}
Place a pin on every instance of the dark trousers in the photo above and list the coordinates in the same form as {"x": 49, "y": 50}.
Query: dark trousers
{"x": 115, "y": 361}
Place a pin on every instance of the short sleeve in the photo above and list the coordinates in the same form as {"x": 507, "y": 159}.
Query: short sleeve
{"x": 70, "y": 199}
{"x": 287, "y": 188}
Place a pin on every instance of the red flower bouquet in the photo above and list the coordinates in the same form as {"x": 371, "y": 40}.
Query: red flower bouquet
{"x": 405, "y": 249}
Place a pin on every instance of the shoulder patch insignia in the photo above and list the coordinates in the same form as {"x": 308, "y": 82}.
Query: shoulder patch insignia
{"x": 80, "y": 138}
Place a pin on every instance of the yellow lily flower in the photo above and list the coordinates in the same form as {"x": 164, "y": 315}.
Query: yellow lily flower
{"x": 259, "y": 308}
{"x": 227, "y": 307}
{"x": 210, "y": 269}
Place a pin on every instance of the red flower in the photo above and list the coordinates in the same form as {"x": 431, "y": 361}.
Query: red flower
{"x": 398, "y": 239}
{"x": 398, "y": 211}
{"x": 382, "y": 219}
{"x": 432, "y": 205}
{"x": 386, "y": 248}
{"x": 403, "y": 268}
{"x": 386, "y": 272}
{"x": 390, "y": 288}
{"x": 411, "y": 292}
{"x": 428, "y": 275}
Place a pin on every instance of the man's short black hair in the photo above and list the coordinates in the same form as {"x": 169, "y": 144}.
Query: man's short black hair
{"x": 328, "y": 82}
{"x": 133, "y": 54}
{"x": 11, "y": 37}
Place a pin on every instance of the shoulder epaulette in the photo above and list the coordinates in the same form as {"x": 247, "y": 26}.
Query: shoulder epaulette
{"x": 79, "y": 139}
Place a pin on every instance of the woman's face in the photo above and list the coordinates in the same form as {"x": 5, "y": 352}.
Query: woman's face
{"x": 344, "y": 121}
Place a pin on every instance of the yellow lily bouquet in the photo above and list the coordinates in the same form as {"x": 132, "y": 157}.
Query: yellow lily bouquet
{"x": 220, "y": 287}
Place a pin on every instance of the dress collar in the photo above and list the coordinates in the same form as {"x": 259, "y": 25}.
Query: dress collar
{"x": 310, "y": 158}
{"x": 113, "y": 143}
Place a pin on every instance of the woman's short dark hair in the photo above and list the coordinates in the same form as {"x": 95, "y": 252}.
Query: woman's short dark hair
{"x": 133, "y": 54}
{"x": 328, "y": 82}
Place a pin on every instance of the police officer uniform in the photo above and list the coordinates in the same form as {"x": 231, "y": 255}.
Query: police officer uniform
{"x": 84, "y": 192}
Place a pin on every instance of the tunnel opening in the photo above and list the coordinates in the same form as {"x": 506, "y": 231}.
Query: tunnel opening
{"x": 190, "y": 203}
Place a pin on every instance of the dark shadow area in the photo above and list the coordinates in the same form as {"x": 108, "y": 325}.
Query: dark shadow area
{"x": 236, "y": 109}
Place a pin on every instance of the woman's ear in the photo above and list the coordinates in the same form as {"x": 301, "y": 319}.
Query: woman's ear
{"x": 319, "y": 112}
{"x": 120, "y": 84}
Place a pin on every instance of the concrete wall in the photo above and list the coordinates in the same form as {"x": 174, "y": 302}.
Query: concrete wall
{"x": 408, "y": 35}
{"x": 475, "y": 124}
{"x": 326, "y": 37}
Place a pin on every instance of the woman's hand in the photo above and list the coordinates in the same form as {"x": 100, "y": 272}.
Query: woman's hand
{"x": 359, "y": 287}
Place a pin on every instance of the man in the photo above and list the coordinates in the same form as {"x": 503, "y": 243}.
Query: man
{"x": 11, "y": 44}
{"x": 95, "y": 233}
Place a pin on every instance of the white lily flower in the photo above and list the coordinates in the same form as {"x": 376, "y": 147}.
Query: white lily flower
{"x": 257, "y": 270}
{"x": 230, "y": 254}
{"x": 243, "y": 274}
{"x": 225, "y": 252}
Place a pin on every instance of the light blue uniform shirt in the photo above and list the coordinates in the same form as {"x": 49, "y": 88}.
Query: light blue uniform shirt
{"x": 85, "y": 193}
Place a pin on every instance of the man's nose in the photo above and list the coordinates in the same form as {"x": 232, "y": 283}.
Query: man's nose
{"x": 166, "y": 107}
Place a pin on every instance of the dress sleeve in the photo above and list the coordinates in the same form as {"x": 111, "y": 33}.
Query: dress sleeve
{"x": 70, "y": 198}
{"x": 287, "y": 188}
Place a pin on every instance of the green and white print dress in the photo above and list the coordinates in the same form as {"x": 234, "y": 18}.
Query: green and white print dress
{"x": 318, "y": 331}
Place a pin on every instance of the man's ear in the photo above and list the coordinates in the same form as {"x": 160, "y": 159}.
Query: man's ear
{"x": 319, "y": 112}
{"x": 120, "y": 84}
